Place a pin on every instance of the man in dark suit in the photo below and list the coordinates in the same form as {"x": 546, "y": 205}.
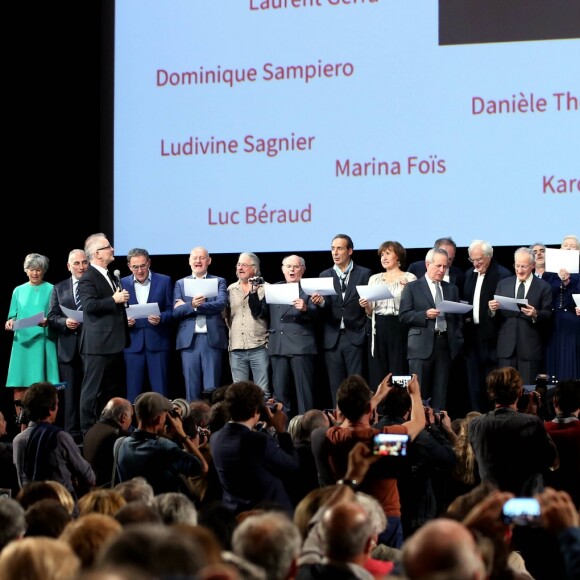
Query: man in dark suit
{"x": 201, "y": 334}
{"x": 291, "y": 341}
{"x": 454, "y": 275}
{"x": 150, "y": 337}
{"x": 435, "y": 338}
{"x": 344, "y": 319}
{"x": 480, "y": 330}
{"x": 520, "y": 336}
{"x": 105, "y": 332}
{"x": 70, "y": 364}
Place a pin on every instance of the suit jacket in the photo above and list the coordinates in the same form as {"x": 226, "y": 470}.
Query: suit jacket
{"x": 415, "y": 301}
{"x": 212, "y": 309}
{"x": 518, "y": 332}
{"x": 68, "y": 340}
{"x": 487, "y": 326}
{"x": 456, "y": 276}
{"x": 291, "y": 332}
{"x": 105, "y": 329}
{"x": 143, "y": 334}
{"x": 337, "y": 308}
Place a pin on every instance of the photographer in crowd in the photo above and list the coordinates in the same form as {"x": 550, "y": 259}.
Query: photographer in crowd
{"x": 149, "y": 453}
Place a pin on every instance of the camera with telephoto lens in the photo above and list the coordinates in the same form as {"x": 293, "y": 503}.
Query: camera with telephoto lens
{"x": 264, "y": 414}
{"x": 256, "y": 280}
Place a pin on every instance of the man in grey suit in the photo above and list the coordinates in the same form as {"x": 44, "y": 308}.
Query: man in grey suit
{"x": 70, "y": 364}
{"x": 201, "y": 334}
{"x": 520, "y": 336}
{"x": 105, "y": 332}
{"x": 291, "y": 342}
{"x": 435, "y": 338}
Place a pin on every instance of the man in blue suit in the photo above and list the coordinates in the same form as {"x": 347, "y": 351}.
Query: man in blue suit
{"x": 151, "y": 336}
{"x": 201, "y": 333}
{"x": 434, "y": 338}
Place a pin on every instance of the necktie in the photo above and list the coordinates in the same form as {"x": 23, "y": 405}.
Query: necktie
{"x": 440, "y": 323}
{"x": 113, "y": 281}
{"x": 77, "y": 298}
{"x": 343, "y": 283}
{"x": 521, "y": 290}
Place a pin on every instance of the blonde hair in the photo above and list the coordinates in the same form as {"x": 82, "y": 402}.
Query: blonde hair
{"x": 466, "y": 467}
{"x": 101, "y": 501}
{"x": 39, "y": 558}
{"x": 64, "y": 495}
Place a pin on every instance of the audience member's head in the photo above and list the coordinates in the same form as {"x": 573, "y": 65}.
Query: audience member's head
{"x": 311, "y": 420}
{"x": 397, "y": 403}
{"x": 294, "y": 427}
{"x": 566, "y": 396}
{"x": 205, "y": 538}
{"x": 120, "y": 411}
{"x": 138, "y": 512}
{"x": 309, "y": 505}
{"x": 136, "y": 489}
{"x": 65, "y": 497}
{"x": 47, "y": 517}
{"x": 243, "y": 400}
{"x": 271, "y": 541}
{"x": 176, "y": 508}
{"x": 465, "y": 469}
{"x": 217, "y": 417}
{"x": 353, "y": 397}
{"x": 88, "y": 534}
{"x": 155, "y": 548}
{"x": 101, "y": 501}
{"x": 347, "y": 533}
{"x": 445, "y": 548}
{"x": 12, "y": 521}
{"x": 504, "y": 385}
{"x": 40, "y": 399}
{"x": 39, "y": 559}
{"x": 150, "y": 409}
{"x": 34, "y": 491}
{"x": 200, "y": 411}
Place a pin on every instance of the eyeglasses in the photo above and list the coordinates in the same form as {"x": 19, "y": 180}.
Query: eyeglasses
{"x": 476, "y": 260}
{"x": 139, "y": 267}
{"x": 292, "y": 267}
{"x": 242, "y": 265}
{"x": 109, "y": 247}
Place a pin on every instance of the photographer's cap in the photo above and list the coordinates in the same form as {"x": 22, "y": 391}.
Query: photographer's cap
{"x": 149, "y": 406}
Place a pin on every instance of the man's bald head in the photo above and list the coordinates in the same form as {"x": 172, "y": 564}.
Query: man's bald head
{"x": 442, "y": 546}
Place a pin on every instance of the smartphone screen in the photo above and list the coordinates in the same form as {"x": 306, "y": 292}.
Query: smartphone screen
{"x": 390, "y": 445}
{"x": 400, "y": 380}
{"x": 521, "y": 511}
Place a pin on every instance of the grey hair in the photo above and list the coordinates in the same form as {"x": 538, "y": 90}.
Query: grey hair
{"x": 175, "y": 508}
{"x": 431, "y": 254}
{"x": 91, "y": 244}
{"x": 255, "y": 260}
{"x": 527, "y": 252}
{"x": 270, "y": 540}
{"x": 115, "y": 408}
{"x": 36, "y": 261}
{"x": 300, "y": 258}
{"x": 374, "y": 510}
{"x": 572, "y": 237}
{"x": 136, "y": 489}
{"x": 486, "y": 248}
{"x": 137, "y": 252}
{"x": 73, "y": 252}
{"x": 538, "y": 244}
{"x": 12, "y": 521}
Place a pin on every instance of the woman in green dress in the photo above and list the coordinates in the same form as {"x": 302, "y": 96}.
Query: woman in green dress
{"x": 33, "y": 357}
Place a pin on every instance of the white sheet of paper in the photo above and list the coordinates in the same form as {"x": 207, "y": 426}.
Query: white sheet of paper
{"x": 281, "y": 293}
{"x": 136, "y": 311}
{"x": 76, "y": 315}
{"x": 322, "y": 286}
{"x": 374, "y": 292}
{"x": 28, "y": 322}
{"x": 566, "y": 259}
{"x": 576, "y": 299}
{"x": 507, "y": 303}
{"x": 450, "y": 307}
{"x": 207, "y": 287}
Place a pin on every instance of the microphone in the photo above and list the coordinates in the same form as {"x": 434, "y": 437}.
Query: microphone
{"x": 117, "y": 275}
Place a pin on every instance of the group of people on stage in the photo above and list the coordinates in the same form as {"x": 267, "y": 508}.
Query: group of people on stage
{"x": 413, "y": 328}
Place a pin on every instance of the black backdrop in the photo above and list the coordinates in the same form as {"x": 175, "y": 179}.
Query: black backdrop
{"x": 58, "y": 176}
